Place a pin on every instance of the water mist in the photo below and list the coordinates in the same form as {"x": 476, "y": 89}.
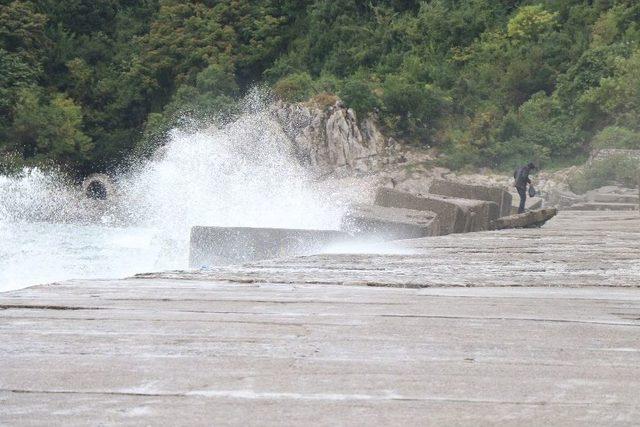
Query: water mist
{"x": 242, "y": 173}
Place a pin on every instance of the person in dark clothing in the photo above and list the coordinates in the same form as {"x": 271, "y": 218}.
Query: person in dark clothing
{"x": 521, "y": 175}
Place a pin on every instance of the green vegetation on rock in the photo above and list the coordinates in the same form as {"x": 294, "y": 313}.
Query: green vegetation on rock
{"x": 489, "y": 83}
{"x": 615, "y": 170}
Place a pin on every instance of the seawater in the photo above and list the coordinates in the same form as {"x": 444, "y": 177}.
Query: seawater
{"x": 35, "y": 253}
{"x": 243, "y": 173}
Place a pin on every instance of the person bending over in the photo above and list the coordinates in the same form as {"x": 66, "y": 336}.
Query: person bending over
{"x": 521, "y": 175}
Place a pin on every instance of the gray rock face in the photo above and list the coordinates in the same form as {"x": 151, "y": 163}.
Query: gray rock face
{"x": 383, "y": 223}
{"x": 497, "y": 195}
{"x": 332, "y": 140}
{"x": 454, "y": 215}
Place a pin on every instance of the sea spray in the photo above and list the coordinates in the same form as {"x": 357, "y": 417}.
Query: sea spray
{"x": 242, "y": 173}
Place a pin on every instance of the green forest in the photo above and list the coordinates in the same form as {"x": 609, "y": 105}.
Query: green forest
{"x": 86, "y": 84}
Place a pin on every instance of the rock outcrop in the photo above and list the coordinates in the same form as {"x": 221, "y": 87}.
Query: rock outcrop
{"x": 332, "y": 140}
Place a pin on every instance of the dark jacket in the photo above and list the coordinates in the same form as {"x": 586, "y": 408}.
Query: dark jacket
{"x": 521, "y": 175}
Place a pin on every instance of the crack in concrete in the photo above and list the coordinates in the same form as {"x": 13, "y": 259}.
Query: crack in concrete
{"x": 44, "y": 307}
{"x": 251, "y": 395}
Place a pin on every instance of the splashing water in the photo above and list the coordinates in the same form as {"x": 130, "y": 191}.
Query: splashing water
{"x": 239, "y": 174}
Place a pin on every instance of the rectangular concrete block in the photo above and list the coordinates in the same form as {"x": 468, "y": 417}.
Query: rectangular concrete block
{"x": 532, "y": 203}
{"x": 497, "y": 195}
{"x": 386, "y": 223}
{"x": 531, "y": 219}
{"x": 454, "y": 215}
{"x": 615, "y": 198}
{"x": 603, "y": 207}
{"x": 211, "y": 246}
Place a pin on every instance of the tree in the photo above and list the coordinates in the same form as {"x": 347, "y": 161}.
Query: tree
{"x": 530, "y": 22}
{"x": 22, "y": 43}
{"x": 49, "y": 130}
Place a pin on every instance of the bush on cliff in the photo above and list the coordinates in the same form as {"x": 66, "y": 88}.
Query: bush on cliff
{"x": 617, "y": 137}
{"x": 615, "y": 170}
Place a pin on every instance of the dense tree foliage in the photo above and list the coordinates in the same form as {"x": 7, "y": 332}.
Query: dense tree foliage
{"x": 488, "y": 82}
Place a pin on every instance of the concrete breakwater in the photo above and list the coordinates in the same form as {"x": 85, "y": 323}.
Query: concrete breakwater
{"x": 452, "y": 208}
{"x": 525, "y": 325}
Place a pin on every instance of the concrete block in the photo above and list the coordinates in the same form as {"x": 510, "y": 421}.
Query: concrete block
{"x": 386, "y": 223}
{"x": 531, "y": 204}
{"x": 211, "y": 246}
{"x": 531, "y": 219}
{"x": 593, "y": 206}
{"x": 614, "y": 198}
{"x": 497, "y": 195}
{"x": 454, "y": 215}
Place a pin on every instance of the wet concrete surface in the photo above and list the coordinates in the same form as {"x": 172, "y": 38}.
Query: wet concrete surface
{"x": 532, "y": 326}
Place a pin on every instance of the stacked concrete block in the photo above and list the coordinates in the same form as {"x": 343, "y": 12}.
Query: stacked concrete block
{"x": 384, "y": 223}
{"x": 497, "y": 195}
{"x": 455, "y": 215}
{"x": 608, "y": 198}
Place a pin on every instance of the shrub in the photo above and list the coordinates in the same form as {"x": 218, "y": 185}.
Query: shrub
{"x": 295, "y": 87}
{"x": 411, "y": 109}
{"x": 530, "y": 21}
{"x": 616, "y": 137}
{"x": 620, "y": 170}
{"x": 357, "y": 94}
{"x": 324, "y": 100}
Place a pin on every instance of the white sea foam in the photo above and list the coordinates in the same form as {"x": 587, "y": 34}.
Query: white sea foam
{"x": 239, "y": 174}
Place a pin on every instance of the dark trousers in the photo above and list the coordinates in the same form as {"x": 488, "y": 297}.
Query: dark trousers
{"x": 522, "y": 192}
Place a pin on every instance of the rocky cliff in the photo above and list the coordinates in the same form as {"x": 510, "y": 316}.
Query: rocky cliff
{"x": 332, "y": 141}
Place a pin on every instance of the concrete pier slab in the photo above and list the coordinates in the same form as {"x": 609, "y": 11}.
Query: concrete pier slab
{"x": 527, "y": 326}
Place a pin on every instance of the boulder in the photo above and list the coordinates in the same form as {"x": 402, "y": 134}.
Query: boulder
{"x": 531, "y": 219}
{"x": 384, "y": 223}
{"x": 497, "y": 195}
{"x": 454, "y": 215}
{"x": 211, "y": 246}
